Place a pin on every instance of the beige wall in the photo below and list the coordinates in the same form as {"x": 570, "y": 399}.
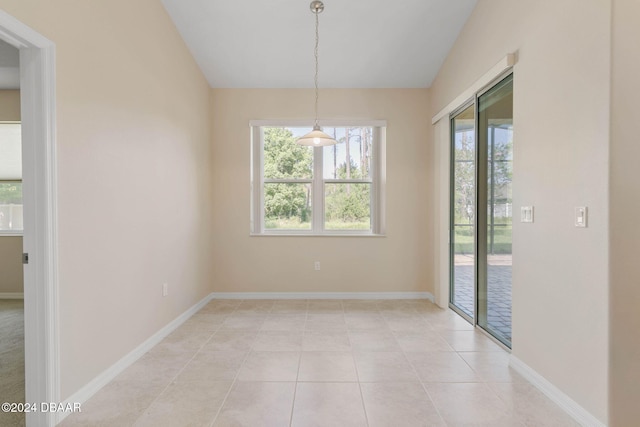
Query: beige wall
{"x": 133, "y": 168}
{"x": 624, "y": 204}
{"x": 10, "y": 246}
{"x": 402, "y": 261}
{"x": 11, "y": 264}
{"x": 9, "y": 105}
{"x": 561, "y": 127}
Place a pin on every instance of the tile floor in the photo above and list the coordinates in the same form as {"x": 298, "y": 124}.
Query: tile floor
{"x": 321, "y": 363}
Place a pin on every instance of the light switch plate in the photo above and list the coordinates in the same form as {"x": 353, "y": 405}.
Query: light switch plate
{"x": 581, "y": 216}
{"x": 526, "y": 214}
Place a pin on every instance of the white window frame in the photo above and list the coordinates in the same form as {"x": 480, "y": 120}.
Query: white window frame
{"x": 377, "y": 180}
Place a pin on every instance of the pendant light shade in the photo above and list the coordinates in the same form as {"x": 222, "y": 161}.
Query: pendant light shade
{"x": 316, "y": 138}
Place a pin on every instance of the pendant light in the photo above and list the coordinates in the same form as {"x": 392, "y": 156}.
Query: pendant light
{"x": 316, "y": 138}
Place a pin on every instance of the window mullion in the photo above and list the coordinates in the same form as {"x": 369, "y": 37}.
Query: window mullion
{"x": 349, "y": 181}
{"x": 378, "y": 174}
{"x": 257, "y": 181}
{"x": 318, "y": 192}
{"x": 286, "y": 181}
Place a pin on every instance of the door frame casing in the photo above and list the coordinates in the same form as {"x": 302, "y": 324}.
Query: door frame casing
{"x": 38, "y": 106}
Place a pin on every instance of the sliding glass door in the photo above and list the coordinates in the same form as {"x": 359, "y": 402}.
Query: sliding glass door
{"x": 463, "y": 211}
{"x": 482, "y": 167}
{"x": 495, "y": 148}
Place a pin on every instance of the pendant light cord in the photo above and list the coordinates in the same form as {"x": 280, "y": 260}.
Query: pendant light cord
{"x": 315, "y": 52}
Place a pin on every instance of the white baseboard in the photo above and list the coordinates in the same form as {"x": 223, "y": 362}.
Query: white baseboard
{"x": 105, "y": 377}
{"x": 570, "y": 406}
{"x": 11, "y": 295}
{"x": 324, "y": 295}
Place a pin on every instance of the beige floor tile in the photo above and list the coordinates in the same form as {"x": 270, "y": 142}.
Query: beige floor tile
{"x": 327, "y": 366}
{"x": 406, "y": 322}
{"x": 238, "y": 362}
{"x": 284, "y": 322}
{"x": 441, "y": 366}
{"x": 231, "y": 341}
{"x": 380, "y": 366}
{"x": 220, "y": 306}
{"x": 469, "y": 341}
{"x": 209, "y": 316}
{"x": 532, "y": 407}
{"x": 447, "y": 321}
{"x": 174, "y": 350}
{"x": 360, "y": 321}
{"x": 239, "y": 321}
{"x": 270, "y": 366}
{"x": 421, "y": 341}
{"x": 471, "y": 404}
{"x": 213, "y": 366}
{"x": 355, "y": 306}
{"x": 373, "y": 341}
{"x": 255, "y": 307}
{"x": 278, "y": 341}
{"x": 330, "y": 306}
{"x": 218, "y": 303}
{"x": 326, "y": 341}
{"x": 257, "y": 404}
{"x": 187, "y": 338}
{"x": 289, "y": 307}
{"x": 328, "y": 404}
{"x": 426, "y": 307}
{"x": 399, "y": 404}
{"x": 325, "y": 321}
{"x": 396, "y": 307}
{"x": 205, "y": 321}
{"x": 119, "y": 403}
{"x": 186, "y": 404}
{"x": 157, "y": 367}
{"x": 492, "y": 366}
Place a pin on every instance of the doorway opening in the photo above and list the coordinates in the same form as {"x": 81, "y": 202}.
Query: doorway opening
{"x": 37, "y": 108}
{"x": 12, "y": 364}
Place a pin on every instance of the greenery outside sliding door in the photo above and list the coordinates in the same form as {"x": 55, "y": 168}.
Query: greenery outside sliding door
{"x": 489, "y": 245}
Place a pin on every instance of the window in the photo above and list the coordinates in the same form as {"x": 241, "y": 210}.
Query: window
{"x": 10, "y": 178}
{"x": 333, "y": 190}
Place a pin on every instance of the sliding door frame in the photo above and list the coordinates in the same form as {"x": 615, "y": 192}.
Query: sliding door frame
{"x": 480, "y": 188}
{"x": 452, "y": 194}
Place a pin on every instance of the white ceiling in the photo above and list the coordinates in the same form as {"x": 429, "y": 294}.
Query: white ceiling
{"x": 363, "y": 43}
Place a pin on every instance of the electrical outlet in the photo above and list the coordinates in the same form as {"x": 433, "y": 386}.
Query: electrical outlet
{"x": 165, "y": 289}
{"x": 317, "y": 265}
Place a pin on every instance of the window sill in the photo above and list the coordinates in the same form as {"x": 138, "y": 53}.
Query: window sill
{"x": 314, "y": 235}
{"x": 11, "y": 233}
